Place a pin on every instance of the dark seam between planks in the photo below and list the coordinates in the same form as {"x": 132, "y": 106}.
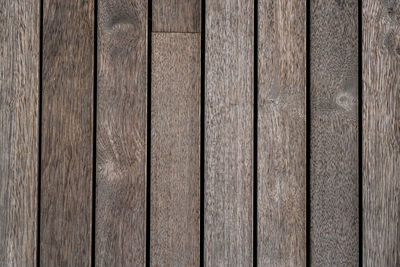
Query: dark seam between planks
{"x": 308, "y": 136}
{"x": 39, "y": 184}
{"x": 360, "y": 129}
{"x": 255, "y": 136}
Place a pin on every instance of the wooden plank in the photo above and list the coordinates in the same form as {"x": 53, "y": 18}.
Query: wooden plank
{"x": 19, "y": 94}
{"x": 381, "y": 133}
{"x": 67, "y": 133}
{"x": 175, "y": 149}
{"x": 334, "y": 133}
{"x": 229, "y": 98}
{"x": 281, "y": 133}
{"x": 121, "y": 133}
{"x": 176, "y": 16}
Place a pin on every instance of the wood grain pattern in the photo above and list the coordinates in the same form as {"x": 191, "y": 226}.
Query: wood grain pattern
{"x": 229, "y": 98}
{"x": 176, "y": 16}
{"x": 121, "y": 133}
{"x": 19, "y": 94}
{"x": 175, "y": 149}
{"x": 381, "y": 133}
{"x": 334, "y": 133}
{"x": 67, "y": 133}
{"x": 281, "y": 133}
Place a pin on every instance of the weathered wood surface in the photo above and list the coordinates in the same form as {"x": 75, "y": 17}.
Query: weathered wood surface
{"x": 229, "y": 97}
{"x": 67, "y": 133}
{"x": 120, "y": 235}
{"x": 381, "y": 133}
{"x": 334, "y": 133}
{"x": 281, "y": 133}
{"x": 176, "y": 16}
{"x": 19, "y": 94}
{"x": 175, "y": 149}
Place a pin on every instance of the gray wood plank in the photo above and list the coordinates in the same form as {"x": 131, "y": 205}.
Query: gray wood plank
{"x": 229, "y": 97}
{"x": 120, "y": 238}
{"x": 334, "y": 133}
{"x": 67, "y": 133}
{"x": 176, "y": 16}
{"x": 19, "y": 94}
{"x": 281, "y": 133}
{"x": 381, "y": 133}
{"x": 175, "y": 149}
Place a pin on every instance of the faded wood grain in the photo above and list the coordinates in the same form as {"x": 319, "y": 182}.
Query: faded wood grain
{"x": 229, "y": 98}
{"x": 67, "y": 133}
{"x": 334, "y": 133}
{"x": 381, "y": 133}
{"x": 281, "y": 133}
{"x": 120, "y": 238}
{"x": 176, "y": 15}
{"x": 175, "y": 150}
{"x": 19, "y": 94}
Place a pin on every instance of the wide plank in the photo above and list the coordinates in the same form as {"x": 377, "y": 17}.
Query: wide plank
{"x": 120, "y": 235}
{"x": 19, "y": 95}
{"x": 381, "y": 133}
{"x": 281, "y": 133}
{"x": 67, "y": 133}
{"x": 334, "y": 225}
{"x": 229, "y": 130}
{"x": 175, "y": 149}
{"x": 176, "y": 16}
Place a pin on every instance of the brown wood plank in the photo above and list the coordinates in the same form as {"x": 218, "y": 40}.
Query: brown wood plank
{"x": 281, "y": 133}
{"x": 229, "y": 98}
{"x": 381, "y": 133}
{"x": 334, "y": 133}
{"x": 19, "y": 94}
{"x": 67, "y": 133}
{"x": 121, "y": 133}
{"x": 176, "y": 16}
{"x": 175, "y": 149}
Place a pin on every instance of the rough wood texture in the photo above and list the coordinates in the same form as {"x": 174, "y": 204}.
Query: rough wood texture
{"x": 175, "y": 150}
{"x": 176, "y": 15}
{"x": 281, "y": 133}
{"x": 229, "y": 97}
{"x": 381, "y": 133}
{"x": 121, "y": 133}
{"x": 334, "y": 133}
{"x": 19, "y": 91}
{"x": 67, "y": 128}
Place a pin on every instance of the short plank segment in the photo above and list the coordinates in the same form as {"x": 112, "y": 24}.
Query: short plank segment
{"x": 120, "y": 238}
{"x": 381, "y": 133}
{"x": 67, "y": 128}
{"x": 19, "y": 94}
{"x": 229, "y": 129}
{"x": 175, "y": 149}
{"x": 334, "y": 133}
{"x": 176, "y": 16}
{"x": 281, "y": 133}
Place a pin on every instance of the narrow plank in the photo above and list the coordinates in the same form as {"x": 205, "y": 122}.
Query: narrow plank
{"x": 229, "y": 98}
{"x": 381, "y": 133}
{"x": 19, "y": 94}
{"x": 67, "y": 133}
{"x": 121, "y": 133}
{"x": 175, "y": 149}
{"x": 176, "y": 16}
{"x": 281, "y": 133}
{"x": 334, "y": 133}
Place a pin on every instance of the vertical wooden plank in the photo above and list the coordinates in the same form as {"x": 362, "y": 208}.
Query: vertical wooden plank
{"x": 121, "y": 133}
{"x": 175, "y": 149}
{"x": 19, "y": 92}
{"x": 334, "y": 133}
{"x": 281, "y": 133}
{"x": 176, "y": 16}
{"x": 67, "y": 128}
{"x": 381, "y": 133}
{"x": 229, "y": 133}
